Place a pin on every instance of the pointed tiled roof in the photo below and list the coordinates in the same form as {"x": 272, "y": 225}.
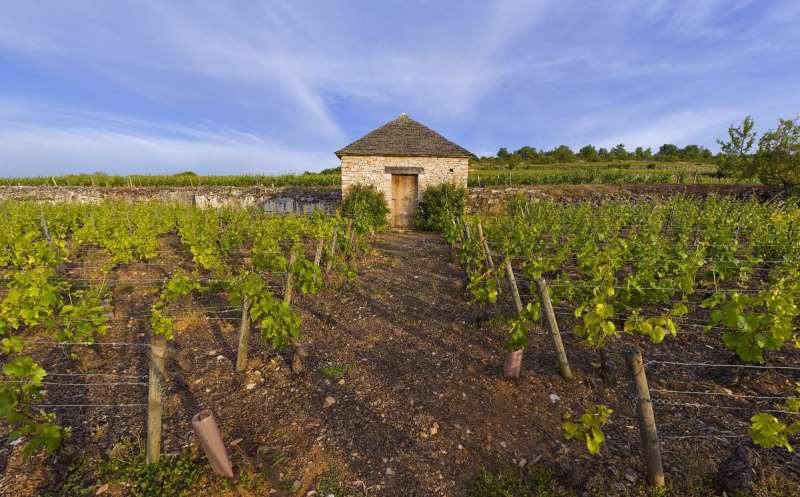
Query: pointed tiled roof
{"x": 404, "y": 137}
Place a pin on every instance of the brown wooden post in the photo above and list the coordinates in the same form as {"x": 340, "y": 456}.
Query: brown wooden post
{"x": 244, "y": 336}
{"x": 647, "y": 420}
{"x": 43, "y": 222}
{"x": 512, "y": 282}
{"x": 318, "y": 251}
{"x": 158, "y": 350}
{"x": 485, "y": 247}
{"x": 513, "y": 364}
{"x": 349, "y": 231}
{"x": 333, "y": 250}
{"x": 552, "y": 327}
{"x": 455, "y": 227}
{"x": 287, "y": 293}
{"x": 467, "y": 231}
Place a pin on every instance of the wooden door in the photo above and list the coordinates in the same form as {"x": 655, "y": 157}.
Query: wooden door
{"x": 404, "y": 200}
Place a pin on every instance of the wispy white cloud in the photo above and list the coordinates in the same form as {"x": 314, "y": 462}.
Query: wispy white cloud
{"x": 80, "y": 141}
{"x": 681, "y": 127}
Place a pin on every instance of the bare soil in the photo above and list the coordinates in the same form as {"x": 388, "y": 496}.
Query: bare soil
{"x": 421, "y": 407}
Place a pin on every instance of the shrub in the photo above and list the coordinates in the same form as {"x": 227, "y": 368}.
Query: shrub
{"x": 439, "y": 205}
{"x": 366, "y": 207}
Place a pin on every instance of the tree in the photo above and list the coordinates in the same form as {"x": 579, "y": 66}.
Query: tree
{"x": 527, "y": 153}
{"x": 736, "y": 157}
{"x": 667, "y": 151}
{"x": 691, "y": 152}
{"x": 778, "y": 156}
{"x": 619, "y": 152}
{"x": 563, "y": 153}
{"x": 588, "y": 153}
{"x": 502, "y": 154}
{"x": 602, "y": 154}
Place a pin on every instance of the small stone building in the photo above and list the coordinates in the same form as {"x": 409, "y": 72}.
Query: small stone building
{"x": 401, "y": 159}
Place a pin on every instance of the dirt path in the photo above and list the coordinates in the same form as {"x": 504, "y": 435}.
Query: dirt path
{"x": 422, "y": 407}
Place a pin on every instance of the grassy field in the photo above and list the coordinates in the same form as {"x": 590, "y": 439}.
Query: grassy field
{"x": 648, "y": 172}
{"x": 327, "y": 178}
{"x": 651, "y": 172}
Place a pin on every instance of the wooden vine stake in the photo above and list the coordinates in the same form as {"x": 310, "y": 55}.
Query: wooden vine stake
{"x": 329, "y": 263}
{"x": 513, "y": 364}
{"x": 552, "y": 327}
{"x": 651, "y": 449}
{"x": 287, "y": 292}
{"x": 43, "y": 222}
{"x": 244, "y": 336}
{"x": 299, "y": 351}
{"x": 485, "y": 248}
{"x": 318, "y": 252}
{"x": 158, "y": 350}
{"x": 349, "y": 233}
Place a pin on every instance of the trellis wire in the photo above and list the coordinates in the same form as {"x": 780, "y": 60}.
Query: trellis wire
{"x": 697, "y": 405}
{"x": 722, "y": 394}
{"x": 82, "y": 384}
{"x": 715, "y": 365}
{"x": 42, "y": 406}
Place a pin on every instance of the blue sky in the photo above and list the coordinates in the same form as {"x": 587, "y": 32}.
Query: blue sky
{"x": 273, "y": 87}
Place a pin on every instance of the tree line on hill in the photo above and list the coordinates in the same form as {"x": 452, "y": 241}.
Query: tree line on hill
{"x": 589, "y": 153}
{"x": 774, "y": 158}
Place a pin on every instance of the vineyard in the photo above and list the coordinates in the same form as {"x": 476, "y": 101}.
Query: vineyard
{"x": 376, "y": 361}
{"x": 710, "y": 289}
{"x": 69, "y": 277}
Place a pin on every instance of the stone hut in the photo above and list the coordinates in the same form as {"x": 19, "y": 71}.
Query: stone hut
{"x": 401, "y": 159}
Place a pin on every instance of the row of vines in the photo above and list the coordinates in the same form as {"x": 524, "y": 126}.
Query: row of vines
{"x": 723, "y": 267}
{"x": 233, "y": 253}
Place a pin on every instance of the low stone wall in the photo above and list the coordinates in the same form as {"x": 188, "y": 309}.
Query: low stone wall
{"x": 281, "y": 200}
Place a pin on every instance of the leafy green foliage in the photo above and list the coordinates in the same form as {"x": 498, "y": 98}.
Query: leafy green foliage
{"x": 655, "y": 327}
{"x": 20, "y": 390}
{"x": 588, "y": 427}
{"x": 768, "y": 431}
{"x": 735, "y": 154}
{"x": 757, "y": 322}
{"x": 33, "y": 297}
{"x": 517, "y": 335}
{"x": 366, "y": 206}
{"x": 280, "y": 325}
{"x": 648, "y": 268}
{"x": 175, "y": 478}
{"x": 775, "y": 162}
{"x": 439, "y": 205}
{"x": 180, "y": 285}
{"x": 484, "y": 286}
{"x": 596, "y": 325}
{"x": 307, "y": 275}
{"x": 84, "y": 319}
{"x": 778, "y": 157}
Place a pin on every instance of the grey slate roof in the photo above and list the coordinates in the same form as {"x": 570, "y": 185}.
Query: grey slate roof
{"x": 404, "y": 137}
